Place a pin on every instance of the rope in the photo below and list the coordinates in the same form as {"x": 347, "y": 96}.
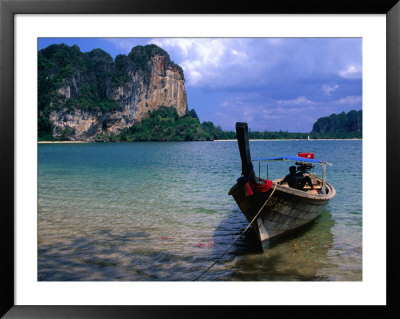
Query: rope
{"x": 248, "y": 226}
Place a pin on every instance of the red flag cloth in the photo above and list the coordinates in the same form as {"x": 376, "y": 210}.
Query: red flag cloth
{"x": 247, "y": 190}
{"x": 257, "y": 188}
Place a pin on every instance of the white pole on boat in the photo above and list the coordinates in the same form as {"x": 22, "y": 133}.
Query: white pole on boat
{"x": 323, "y": 177}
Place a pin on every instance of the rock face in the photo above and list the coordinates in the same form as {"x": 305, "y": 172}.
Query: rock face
{"x": 84, "y": 94}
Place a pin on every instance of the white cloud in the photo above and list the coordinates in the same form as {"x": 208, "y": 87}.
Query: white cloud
{"x": 241, "y": 54}
{"x": 241, "y": 100}
{"x": 271, "y": 117}
{"x": 293, "y": 110}
{"x": 183, "y": 44}
{"x": 248, "y": 114}
{"x": 351, "y": 72}
{"x": 254, "y": 63}
{"x": 327, "y": 89}
{"x": 268, "y": 114}
{"x": 203, "y": 60}
{"x": 350, "y": 100}
{"x": 301, "y": 100}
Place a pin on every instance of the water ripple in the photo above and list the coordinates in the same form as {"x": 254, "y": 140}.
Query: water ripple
{"x": 160, "y": 212}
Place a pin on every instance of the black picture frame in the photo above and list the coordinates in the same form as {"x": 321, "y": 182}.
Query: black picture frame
{"x": 9, "y": 8}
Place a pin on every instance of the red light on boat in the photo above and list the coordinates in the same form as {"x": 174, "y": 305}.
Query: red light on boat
{"x": 306, "y": 155}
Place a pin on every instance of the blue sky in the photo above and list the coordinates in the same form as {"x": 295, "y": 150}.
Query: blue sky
{"x": 271, "y": 83}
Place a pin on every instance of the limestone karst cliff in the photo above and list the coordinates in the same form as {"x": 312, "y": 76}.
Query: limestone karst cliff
{"x": 84, "y": 94}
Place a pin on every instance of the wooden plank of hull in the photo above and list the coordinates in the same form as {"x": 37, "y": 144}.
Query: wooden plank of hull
{"x": 285, "y": 215}
{"x": 286, "y": 210}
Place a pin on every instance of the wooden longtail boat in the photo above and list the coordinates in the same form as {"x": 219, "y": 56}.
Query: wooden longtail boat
{"x": 275, "y": 208}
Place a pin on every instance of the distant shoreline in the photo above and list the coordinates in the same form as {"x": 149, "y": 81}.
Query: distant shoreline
{"x": 61, "y": 142}
{"x": 296, "y": 139}
{"x": 252, "y": 140}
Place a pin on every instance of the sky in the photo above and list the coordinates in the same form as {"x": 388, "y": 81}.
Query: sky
{"x": 271, "y": 83}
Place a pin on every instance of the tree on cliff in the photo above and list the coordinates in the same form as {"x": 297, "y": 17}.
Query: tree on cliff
{"x": 86, "y": 74}
{"x": 164, "y": 124}
{"x": 70, "y": 81}
{"x": 350, "y": 122}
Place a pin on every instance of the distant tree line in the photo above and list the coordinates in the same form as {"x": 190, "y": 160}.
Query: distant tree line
{"x": 339, "y": 123}
{"x": 164, "y": 124}
{"x": 340, "y": 126}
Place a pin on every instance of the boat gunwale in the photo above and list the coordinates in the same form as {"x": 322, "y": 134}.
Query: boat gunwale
{"x": 298, "y": 192}
{"x": 302, "y": 193}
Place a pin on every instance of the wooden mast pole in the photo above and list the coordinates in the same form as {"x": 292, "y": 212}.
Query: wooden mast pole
{"x": 242, "y": 133}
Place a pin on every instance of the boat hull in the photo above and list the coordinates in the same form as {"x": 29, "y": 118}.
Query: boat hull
{"x": 286, "y": 210}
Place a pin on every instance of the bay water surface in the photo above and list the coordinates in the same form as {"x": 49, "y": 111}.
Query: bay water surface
{"x": 161, "y": 212}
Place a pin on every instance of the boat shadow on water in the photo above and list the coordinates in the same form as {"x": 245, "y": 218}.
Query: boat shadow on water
{"x": 297, "y": 256}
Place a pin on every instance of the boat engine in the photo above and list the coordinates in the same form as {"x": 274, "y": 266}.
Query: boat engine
{"x": 304, "y": 167}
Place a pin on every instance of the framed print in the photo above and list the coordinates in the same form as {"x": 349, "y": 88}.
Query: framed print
{"x": 83, "y": 236}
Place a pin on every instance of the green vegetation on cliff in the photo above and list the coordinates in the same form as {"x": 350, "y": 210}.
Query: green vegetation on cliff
{"x": 340, "y": 126}
{"x": 71, "y": 79}
{"x": 164, "y": 124}
{"x": 350, "y": 123}
{"x": 138, "y": 61}
{"x": 335, "y": 126}
{"x": 86, "y": 74}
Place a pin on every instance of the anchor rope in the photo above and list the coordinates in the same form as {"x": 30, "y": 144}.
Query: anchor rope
{"x": 248, "y": 226}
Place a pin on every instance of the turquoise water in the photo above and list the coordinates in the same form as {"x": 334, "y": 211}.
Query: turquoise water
{"x": 161, "y": 212}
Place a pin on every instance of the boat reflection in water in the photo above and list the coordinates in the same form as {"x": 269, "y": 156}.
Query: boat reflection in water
{"x": 301, "y": 255}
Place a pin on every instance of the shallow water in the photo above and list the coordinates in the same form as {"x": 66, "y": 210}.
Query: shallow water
{"x": 161, "y": 212}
